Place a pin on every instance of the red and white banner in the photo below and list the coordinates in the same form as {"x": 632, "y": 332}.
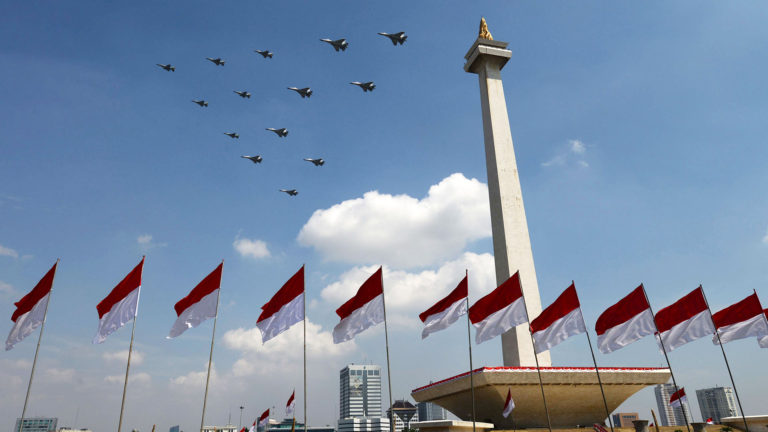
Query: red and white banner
{"x": 364, "y": 310}
{"x": 120, "y": 306}
{"x": 741, "y": 320}
{"x": 685, "y": 320}
{"x": 763, "y": 341}
{"x": 500, "y": 310}
{"x": 678, "y": 398}
{"x": 445, "y": 312}
{"x": 253, "y": 426}
{"x": 709, "y": 421}
{"x": 284, "y": 309}
{"x": 559, "y": 321}
{"x": 509, "y": 405}
{"x": 289, "y": 407}
{"x": 30, "y": 310}
{"x": 199, "y": 305}
{"x": 264, "y": 419}
{"x": 625, "y": 322}
{"x": 599, "y": 428}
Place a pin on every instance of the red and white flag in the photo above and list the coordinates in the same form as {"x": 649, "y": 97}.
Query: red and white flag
{"x": 364, "y": 310}
{"x": 509, "y": 405}
{"x": 625, "y": 322}
{"x": 597, "y": 427}
{"x": 678, "y": 398}
{"x": 264, "y": 419}
{"x": 30, "y": 310}
{"x": 741, "y": 320}
{"x": 763, "y": 341}
{"x": 500, "y": 310}
{"x": 253, "y": 427}
{"x": 289, "y": 407}
{"x": 199, "y": 305}
{"x": 446, "y": 311}
{"x": 120, "y": 306}
{"x": 284, "y": 309}
{"x": 685, "y": 320}
{"x": 709, "y": 421}
{"x": 559, "y": 321}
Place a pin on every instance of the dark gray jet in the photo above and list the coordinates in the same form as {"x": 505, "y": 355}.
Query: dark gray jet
{"x": 202, "y": 103}
{"x": 291, "y": 192}
{"x": 282, "y": 133}
{"x": 338, "y": 44}
{"x": 255, "y": 159}
{"x": 217, "y": 61}
{"x": 232, "y": 134}
{"x": 243, "y": 94}
{"x": 303, "y": 92}
{"x": 317, "y": 162}
{"x": 366, "y": 86}
{"x": 265, "y": 53}
{"x": 396, "y": 38}
{"x": 167, "y": 67}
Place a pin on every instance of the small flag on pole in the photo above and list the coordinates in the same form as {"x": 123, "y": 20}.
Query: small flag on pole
{"x": 253, "y": 426}
{"x": 763, "y": 341}
{"x": 120, "y": 306}
{"x": 364, "y": 310}
{"x": 264, "y": 419}
{"x": 559, "y": 321}
{"x": 709, "y": 421}
{"x": 625, "y": 322}
{"x": 30, "y": 310}
{"x": 199, "y": 305}
{"x": 289, "y": 407}
{"x": 686, "y": 320}
{"x": 741, "y": 320}
{"x": 445, "y": 312}
{"x": 678, "y": 398}
{"x": 499, "y": 311}
{"x": 284, "y": 309}
{"x": 509, "y": 405}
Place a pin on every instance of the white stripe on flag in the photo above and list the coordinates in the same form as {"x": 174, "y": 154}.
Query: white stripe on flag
{"x": 560, "y": 330}
{"x": 195, "y": 314}
{"x": 443, "y": 320}
{"x": 27, "y": 323}
{"x": 696, "y": 327}
{"x": 121, "y": 313}
{"x": 288, "y": 315}
{"x": 367, "y": 315}
{"x": 754, "y": 326}
{"x": 500, "y": 321}
{"x": 624, "y": 334}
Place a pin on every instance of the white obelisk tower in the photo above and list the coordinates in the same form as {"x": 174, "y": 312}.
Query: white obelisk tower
{"x": 511, "y": 241}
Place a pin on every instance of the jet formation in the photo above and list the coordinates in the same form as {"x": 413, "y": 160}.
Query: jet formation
{"x": 366, "y": 86}
{"x": 338, "y": 44}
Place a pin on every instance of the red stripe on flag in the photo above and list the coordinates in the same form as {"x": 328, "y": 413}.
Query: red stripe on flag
{"x": 211, "y": 283}
{"x": 119, "y": 292}
{"x": 40, "y": 290}
{"x": 738, "y": 312}
{"x": 677, "y": 395}
{"x": 371, "y": 289}
{"x": 503, "y": 296}
{"x": 565, "y": 304}
{"x": 264, "y": 415}
{"x": 461, "y": 291}
{"x": 290, "y": 399}
{"x": 682, "y": 310}
{"x": 621, "y": 312}
{"x": 292, "y": 289}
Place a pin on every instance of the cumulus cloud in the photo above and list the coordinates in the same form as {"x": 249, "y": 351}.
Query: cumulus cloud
{"x": 6, "y": 251}
{"x": 57, "y": 375}
{"x": 577, "y": 146}
{"x": 573, "y": 153}
{"x": 137, "y": 357}
{"x": 138, "y": 378}
{"x": 251, "y": 248}
{"x": 400, "y": 230}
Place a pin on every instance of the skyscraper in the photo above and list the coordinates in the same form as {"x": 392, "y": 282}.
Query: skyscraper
{"x": 36, "y": 424}
{"x": 360, "y": 391}
{"x": 429, "y": 411}
{"x": 670, "y": 416}
{"x": 716, "y": 402}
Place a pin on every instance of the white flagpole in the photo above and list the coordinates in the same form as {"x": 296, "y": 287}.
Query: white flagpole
{"x": 389, "y": 369}
{"x": 39, "y": 338}
{"x": 471, "y": 368}
{"x": 130, "y": 350}
{"x": 304, "y": 305}
{"x": 210, "y": 357}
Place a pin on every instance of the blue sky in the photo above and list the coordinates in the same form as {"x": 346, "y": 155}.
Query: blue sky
{"x": 639, "y": 130}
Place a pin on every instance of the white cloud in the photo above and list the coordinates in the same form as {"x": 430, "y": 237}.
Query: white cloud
{"x": 137, "y": 357}
{"x": 144, "y": 239}
{"x": 251, "y": 248}
{"x": 7, "y": 289}
{"x": 577, "y": 146}
{"x": 57, "y": 375}
{"x": 400, "y": 230}
{"x": 138, "y": 378}
{"x": 6, "y": 251}
{"x": 572, "y": 154}
{"x": 145, "y": 242}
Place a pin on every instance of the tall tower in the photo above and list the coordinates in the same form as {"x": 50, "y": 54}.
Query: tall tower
{"x": 511, "y": 241}
{"x": 360, "y": 392}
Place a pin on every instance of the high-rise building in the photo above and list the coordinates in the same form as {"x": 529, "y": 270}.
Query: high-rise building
{"x": 36, "y": 424}
{"x": 429, "y": 411}
{"x": 360, "y": 391}
{"x": 405, "y": 413}
{"x": 624, "y": 419}
{"x": 361, "y": 424}
{"x": 174, "y": 429}
{"x": 670, "y": 416}
{"x": 717, "y": 402}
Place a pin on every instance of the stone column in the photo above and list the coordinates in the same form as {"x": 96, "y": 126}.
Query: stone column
{"x": 511, "y": 241}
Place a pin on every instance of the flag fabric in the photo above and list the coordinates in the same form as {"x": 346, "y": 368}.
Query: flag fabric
{"x": 709, "y": 421}
{"x": 289, "y": 407}
{"x": 253, "y": 427}
{"x": 599, "y": 428}
{"x": 364, "y": 310}
{"x": 559, "y": 321}
{"x": 284, "y": 309}
{"x": 685, "y": 320}
{"x": 243, "y": 429}
{"x": 763, "y": 341}
{"x": 741, "y": 320}
{"x": 30, "y": 310}
{"x": 264, "y": 418}
{"x": 625, "y": 322}
{"x": 445, "y": 312}
{"x": 678, "y": 398}
{"x": 199, "y": 305}
{"x": 509, "y": 405}
{"x": 500, "y": 310}
{"x": 121, "y": 305}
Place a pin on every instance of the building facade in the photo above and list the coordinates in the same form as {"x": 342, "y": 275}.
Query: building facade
{"x": 717, "y": 402}
{"x": 429, "y": 411}
{"x": 36, "y": 424}
{"x": 376, "y": 424}
{"x": 227, "y": 428}
{"x": 624, "y": 419}
{"x": 405, "y": 414}
{"x": 174, "y": 429}
{"x": 670, "y": 416}
{"x": 360, "y": 391}
{"x": 288, "y": 423}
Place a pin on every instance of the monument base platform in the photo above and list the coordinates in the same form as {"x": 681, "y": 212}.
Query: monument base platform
{"x": 573, "y": 394}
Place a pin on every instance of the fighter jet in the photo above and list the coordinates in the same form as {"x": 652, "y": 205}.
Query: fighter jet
{"x": 265, "y": 53}
{"x": 317, "y": 162}
{"x": 232, "y": 134}
{"x": 366, "y": 86}
{"x": 396, "y": 38}
{"x": 243, "y": 94}
{"x": 291, "y": 192}
{"x": 167, "y": 67}
{"x": 202, "y": 103}
{"x": 217, "y": 61}
{"x": 338, "y": 44}
{"x": 282, "y": 133}
{"x": 255, "y": 159}
{"x": 303, "y": 92}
